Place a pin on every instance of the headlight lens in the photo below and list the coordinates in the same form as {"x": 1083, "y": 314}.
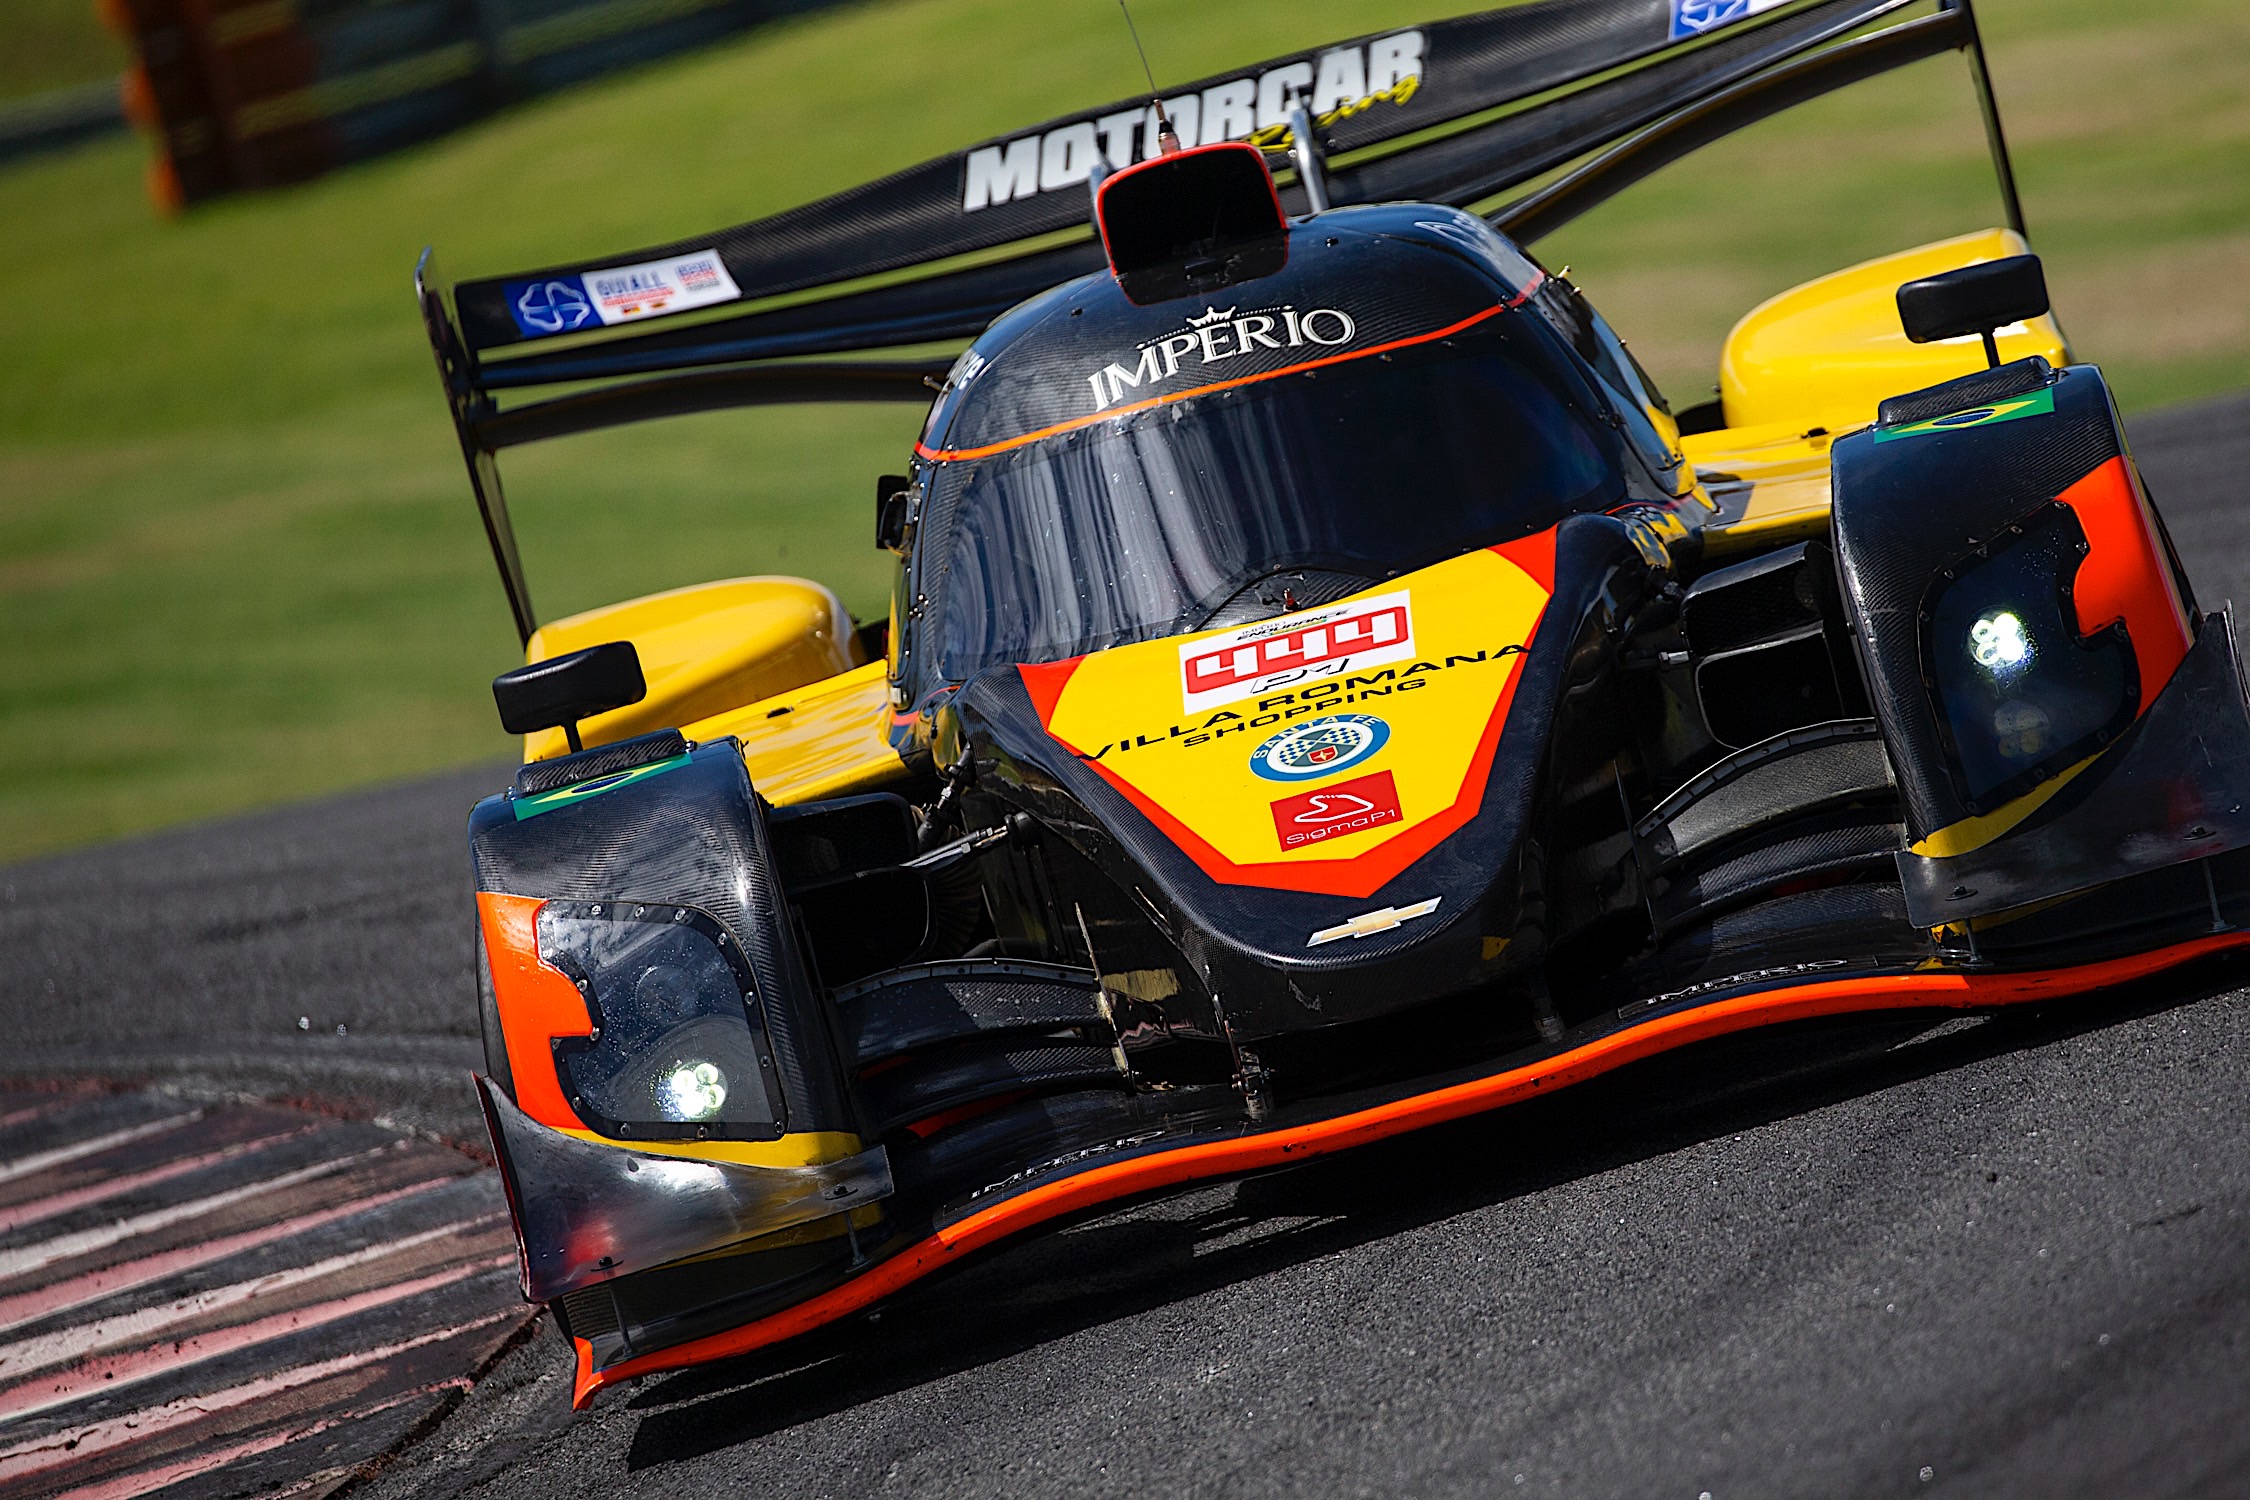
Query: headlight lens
{"x": 680, "y": 1051}
{"x": 2020, "y": 694}
{"x": 1998, "y": 643}
{"x": 693, "y": 1091}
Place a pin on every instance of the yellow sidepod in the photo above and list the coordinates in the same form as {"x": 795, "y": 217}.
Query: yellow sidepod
{"x": 831, "y": 739}
{"x": 705, "y": 649}
{"x": 1770, "y": 485}
{"x": 1824, "y": 354}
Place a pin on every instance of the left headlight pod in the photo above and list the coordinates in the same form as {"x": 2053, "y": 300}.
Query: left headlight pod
{"x": 2019, "y": 694}
{"x": 679, "y": 1048}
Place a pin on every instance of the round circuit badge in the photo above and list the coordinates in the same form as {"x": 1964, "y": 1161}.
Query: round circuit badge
{"x": 1320, "y": 747}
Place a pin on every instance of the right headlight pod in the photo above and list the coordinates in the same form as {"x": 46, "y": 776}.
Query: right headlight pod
{"x": 2020, "y": 695}
{"x": 679, "y": 1050}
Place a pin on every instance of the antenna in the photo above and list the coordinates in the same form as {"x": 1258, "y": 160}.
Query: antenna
{"x": 1167, "y": 141}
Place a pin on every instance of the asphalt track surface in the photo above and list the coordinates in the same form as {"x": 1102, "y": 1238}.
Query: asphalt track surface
{"x": 1998, "y": 1256}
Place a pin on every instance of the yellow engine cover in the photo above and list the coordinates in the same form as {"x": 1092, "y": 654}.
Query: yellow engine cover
{"x": 1826, "y": 353}
{"x": 704, "y": 650}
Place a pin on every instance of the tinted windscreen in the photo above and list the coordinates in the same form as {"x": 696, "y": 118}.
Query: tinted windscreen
{"x": 1146, "y": 526}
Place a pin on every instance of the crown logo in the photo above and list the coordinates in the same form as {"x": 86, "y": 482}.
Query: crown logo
{"x": 1210, "y": 315}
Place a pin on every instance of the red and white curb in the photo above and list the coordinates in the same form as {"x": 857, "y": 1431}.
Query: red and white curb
{"x": 233, "y": 1298}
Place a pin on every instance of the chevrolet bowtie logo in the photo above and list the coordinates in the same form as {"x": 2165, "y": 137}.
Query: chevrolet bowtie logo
{"x": 1367, "y": 924}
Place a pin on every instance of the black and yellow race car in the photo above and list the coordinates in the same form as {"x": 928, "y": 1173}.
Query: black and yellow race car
{"x": 1326, "y": 691}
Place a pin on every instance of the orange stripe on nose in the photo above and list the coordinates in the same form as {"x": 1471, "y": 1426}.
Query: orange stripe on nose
{"x": 942, "y": 455}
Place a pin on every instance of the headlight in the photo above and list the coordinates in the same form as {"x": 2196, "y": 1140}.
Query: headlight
{"x": 679, "y": 1050}
{"x": 2020, "y": 695}
{"x": 693, "y": 1091}
{"x": 1998, "y": 643}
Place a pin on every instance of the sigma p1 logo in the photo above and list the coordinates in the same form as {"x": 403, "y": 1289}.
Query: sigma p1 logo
{"x": 1296, "y": 648}
{"x": 1347, "y": 807}
{"x": 1320, "y": 747}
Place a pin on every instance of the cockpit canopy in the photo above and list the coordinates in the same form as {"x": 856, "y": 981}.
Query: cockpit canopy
{"x": 1408, "y": 386}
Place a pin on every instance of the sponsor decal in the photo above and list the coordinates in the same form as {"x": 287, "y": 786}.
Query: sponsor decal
{"x": 567, "y": 796}
{"x": 1215, "y": 336}
{"x": 1444, "y": 710}
{"x": 1695, "y": 17}
{"x": 1347, "y": 807}
{"x": 1367, "y": 924}
{"x": 1325, "y": 694}
{"x": 552, "y": 306}
{"x": 1280, "y": 652}
{"x": 1067, "y": 1159}
{"x": 2037, "y": 404}
{"x": 1338, "y": 84}
{"x": 1320, "y": 747}
{"x": 1732, "y": 981}
{"x": 619, "y": 294}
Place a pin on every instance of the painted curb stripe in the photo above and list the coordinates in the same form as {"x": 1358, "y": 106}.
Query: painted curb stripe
{"x": 193, "y": 1345}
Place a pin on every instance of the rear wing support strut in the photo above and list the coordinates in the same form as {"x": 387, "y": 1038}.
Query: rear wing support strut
{"x": 466, "y": 403}
{"x": 1637, "y": 96}
{"x": 1952, "y": 28}
{"x": 484, "y": 429}
{"x": 1993, "y": 135}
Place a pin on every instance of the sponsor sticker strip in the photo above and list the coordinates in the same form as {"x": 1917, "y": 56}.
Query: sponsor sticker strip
{"x": 619, "y": 294}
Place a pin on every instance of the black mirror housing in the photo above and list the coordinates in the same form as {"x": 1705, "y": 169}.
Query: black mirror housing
{"x": 561, "y": 691}
{"x": 893, "y": 497}
{"x": 1974, "y": 299}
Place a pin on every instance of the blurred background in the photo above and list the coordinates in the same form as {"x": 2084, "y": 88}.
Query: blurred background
{"x": 238, "y": 559}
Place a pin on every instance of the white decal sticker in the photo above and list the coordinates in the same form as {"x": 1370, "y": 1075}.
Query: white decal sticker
{"x": 623, "y": 293}
{"x": 1367, "y": 924}
{"x": 1213, "y": 337}
{"x": 1297, "y": 648}
{"x": 1340, "y": 83}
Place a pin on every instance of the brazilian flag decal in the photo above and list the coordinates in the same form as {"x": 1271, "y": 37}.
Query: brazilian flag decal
{"x": 568, "y": 796}
{"x": 2037, "y": 404}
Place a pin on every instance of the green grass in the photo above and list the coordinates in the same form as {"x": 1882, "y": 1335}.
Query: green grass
{"x": 237, "y": 558}
{"x": 2130, "y": 128}
{"x": 52, "y": 44}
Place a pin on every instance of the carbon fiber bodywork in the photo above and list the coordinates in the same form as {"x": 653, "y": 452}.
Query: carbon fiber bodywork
{"x": 1625, "y": 772}
{"x": 1118, "y": 1020}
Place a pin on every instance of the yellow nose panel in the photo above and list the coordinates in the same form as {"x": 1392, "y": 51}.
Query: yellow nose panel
{"x": 1322, "y": 750}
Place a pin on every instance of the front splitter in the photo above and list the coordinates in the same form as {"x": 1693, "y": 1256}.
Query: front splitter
{"x": 1076, "y": 1190}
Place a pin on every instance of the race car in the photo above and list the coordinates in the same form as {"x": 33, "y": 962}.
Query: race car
{"x": 1326, "y": 691}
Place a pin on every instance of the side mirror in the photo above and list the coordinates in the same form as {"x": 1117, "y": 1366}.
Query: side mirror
{"x": 894, "y": 493}
{"x": 1974, "y": 299}
{"x": 565, "y": 689}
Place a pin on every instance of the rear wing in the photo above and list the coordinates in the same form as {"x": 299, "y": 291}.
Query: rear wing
{"x": 1460, "y": 112}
